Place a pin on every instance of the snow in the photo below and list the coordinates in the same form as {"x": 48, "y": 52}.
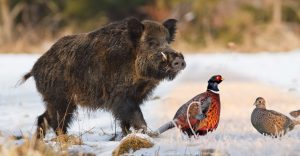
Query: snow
{"x": 275, "y": 75}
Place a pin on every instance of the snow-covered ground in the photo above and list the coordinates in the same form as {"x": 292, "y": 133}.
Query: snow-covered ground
{"x": 275, "y": 76}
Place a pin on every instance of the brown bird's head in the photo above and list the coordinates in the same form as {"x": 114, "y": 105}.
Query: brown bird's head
{"x": 260, "y": 103}
{"x": 213, "y": 83}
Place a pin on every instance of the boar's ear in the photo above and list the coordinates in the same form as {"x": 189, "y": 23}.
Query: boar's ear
{"x": 135, "y": 30}
{"x": 170, "y": 24}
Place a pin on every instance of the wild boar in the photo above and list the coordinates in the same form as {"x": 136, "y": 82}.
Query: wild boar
{"x": 114, "y": 68}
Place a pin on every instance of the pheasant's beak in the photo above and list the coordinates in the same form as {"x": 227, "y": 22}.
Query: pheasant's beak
{"x": 222, "y": 78}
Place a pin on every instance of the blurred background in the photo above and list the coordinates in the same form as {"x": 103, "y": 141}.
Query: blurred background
{"x": 218, "y": 27}
{"x": 32, "y": 26}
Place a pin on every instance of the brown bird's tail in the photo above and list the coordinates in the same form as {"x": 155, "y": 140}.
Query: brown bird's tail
{"x": 295, "y": 114}
{"x": 296, "y": 122}
{"x": 24, "y": 78}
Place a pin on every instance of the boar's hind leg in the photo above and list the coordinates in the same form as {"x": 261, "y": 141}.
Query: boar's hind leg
{"x": 42, "y": 125}
{"x": 60, "y": 113}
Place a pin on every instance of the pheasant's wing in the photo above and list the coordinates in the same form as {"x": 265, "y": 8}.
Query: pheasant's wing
{"x": 205, "y": 104}
{"x": 277, "y": 122}
{"x": 280, "y": 118}
{"x": 182, "y": 110}
{"x": 273, "y": 113}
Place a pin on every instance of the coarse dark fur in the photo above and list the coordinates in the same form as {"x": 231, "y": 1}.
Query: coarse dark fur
{"x": 114, "y": 68}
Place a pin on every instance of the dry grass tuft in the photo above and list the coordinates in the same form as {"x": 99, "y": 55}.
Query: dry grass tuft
{"x": 67, "y": 140}
{"x": 17, "y": 146}
{"x": 130, "y": 143}
{"x": 28, "y": 148}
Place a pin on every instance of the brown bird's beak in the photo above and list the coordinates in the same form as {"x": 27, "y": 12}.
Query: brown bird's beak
{"x": 255, "y": 103}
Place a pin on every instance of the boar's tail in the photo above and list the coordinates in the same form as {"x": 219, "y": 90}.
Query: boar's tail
{"x": 24, "y": 78}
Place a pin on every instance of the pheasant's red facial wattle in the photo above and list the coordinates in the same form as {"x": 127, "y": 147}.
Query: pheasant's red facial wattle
{"x": 216, "y": 78}
{"x": 219, "y": 78}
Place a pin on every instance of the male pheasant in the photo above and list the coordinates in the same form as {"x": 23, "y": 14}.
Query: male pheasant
{"x": 199, "y": 115}
{"x": 270, "y": 122}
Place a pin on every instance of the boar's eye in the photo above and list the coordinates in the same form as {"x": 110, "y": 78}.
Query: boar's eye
{"x": 153, "y": 43}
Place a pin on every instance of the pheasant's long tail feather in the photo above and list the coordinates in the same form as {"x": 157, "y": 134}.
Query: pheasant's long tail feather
{"x": 165, "y": 127}
{"x": 296, "y": 122}
{"x": 295, "y": 114}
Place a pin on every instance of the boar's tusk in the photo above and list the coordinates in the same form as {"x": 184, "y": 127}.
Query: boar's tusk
{"x": 165, "y": 58}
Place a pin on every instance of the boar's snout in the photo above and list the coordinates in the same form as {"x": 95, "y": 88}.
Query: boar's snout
{"x": 178, "y": 63}
{"x": 176, "y": 60}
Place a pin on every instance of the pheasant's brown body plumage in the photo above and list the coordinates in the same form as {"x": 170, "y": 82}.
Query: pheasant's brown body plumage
{"x": 201, "y": 127}
{"x": 211, "y": 122}
{"x": 270, "y": 122}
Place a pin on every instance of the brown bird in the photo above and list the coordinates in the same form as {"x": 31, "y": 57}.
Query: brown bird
{"x": 270, "y": 122}
{"x": 295, "y": 114}
{"x": 199, "y": 115}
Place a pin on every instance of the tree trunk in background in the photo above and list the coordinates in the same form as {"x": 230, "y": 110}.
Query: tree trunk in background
{"x": 7, "y": 21}
{"x": 277, "y": 13}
